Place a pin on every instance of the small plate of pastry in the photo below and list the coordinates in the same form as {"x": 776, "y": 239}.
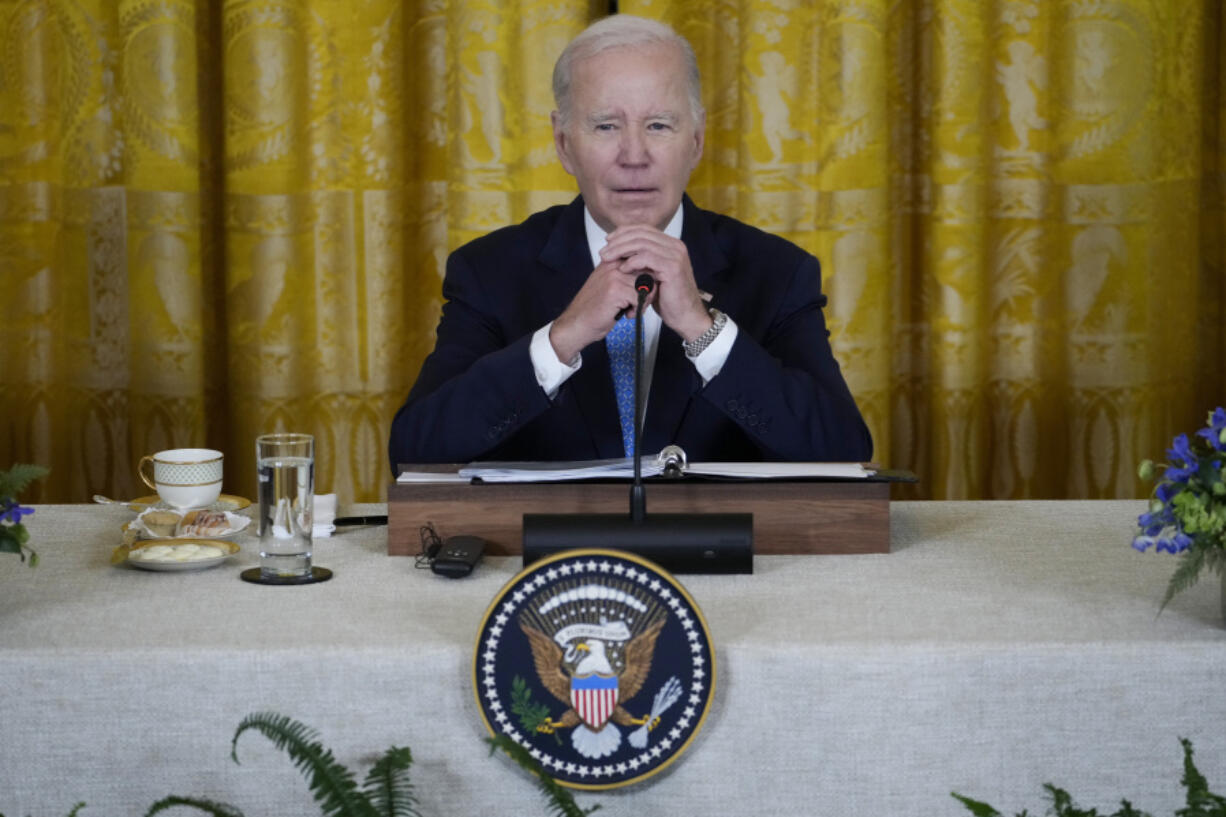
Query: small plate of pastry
{"x": 161, "y": 523}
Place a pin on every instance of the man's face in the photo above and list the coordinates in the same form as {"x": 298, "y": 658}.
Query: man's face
{"x": 631, "y": 141}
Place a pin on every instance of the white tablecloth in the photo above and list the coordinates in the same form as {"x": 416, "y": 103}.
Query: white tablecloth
{"x": 1000, "y": 646}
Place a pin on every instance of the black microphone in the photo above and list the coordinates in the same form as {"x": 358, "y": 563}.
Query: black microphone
{"x": 678, "y": 542}
{"x": 644, "y": 280}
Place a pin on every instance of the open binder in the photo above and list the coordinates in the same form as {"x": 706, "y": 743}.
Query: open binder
{"x": 670, "y": 463}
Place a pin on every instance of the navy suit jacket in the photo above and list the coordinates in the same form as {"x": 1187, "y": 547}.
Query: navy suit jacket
{"x": 779, "y": 396}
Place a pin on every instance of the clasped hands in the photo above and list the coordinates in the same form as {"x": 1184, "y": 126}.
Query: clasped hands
{"x": 630, "y": 251}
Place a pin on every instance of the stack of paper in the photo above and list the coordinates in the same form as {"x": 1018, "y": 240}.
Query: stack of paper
{"x": 624, "y": 469}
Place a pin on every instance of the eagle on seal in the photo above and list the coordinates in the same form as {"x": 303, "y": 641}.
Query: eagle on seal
{"x": 583, "y": 678}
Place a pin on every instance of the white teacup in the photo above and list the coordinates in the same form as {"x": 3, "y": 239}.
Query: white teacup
{"x": 184, "y": 477}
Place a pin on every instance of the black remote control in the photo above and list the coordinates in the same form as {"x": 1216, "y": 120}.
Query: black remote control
{"x": 458, "y": 556}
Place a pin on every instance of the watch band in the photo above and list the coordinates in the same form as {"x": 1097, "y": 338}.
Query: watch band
{"x": 695, "y": 347}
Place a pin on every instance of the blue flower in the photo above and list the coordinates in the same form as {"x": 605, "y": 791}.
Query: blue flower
{"x": 1151, "y": 523}
{"x": 1215, "y": 433}
{"x": 1213, "y": 437}
{"x": 1181, "y": 448}
{"x": 13, "y": 512}
{"x": 1166, "y": 491}
{"x": 1171, "y": 539}
{"x": 1158, "y": 527}
{"x": 1181, "y": 542}
{"x": 1182, "y": 461}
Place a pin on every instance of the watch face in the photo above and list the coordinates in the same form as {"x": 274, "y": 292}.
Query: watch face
{"x": 599, "y": 664}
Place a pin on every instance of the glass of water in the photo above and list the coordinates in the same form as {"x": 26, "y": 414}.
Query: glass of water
{"x": 286, "y": 469}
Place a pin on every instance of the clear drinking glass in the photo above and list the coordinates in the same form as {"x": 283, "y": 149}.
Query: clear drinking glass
{"x": 286, "y": 469}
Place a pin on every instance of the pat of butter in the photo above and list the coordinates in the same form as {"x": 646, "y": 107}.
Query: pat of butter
{"x": 178, "y": 553}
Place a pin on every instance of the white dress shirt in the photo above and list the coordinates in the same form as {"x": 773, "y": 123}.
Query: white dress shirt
{"x": 551, "y": 373}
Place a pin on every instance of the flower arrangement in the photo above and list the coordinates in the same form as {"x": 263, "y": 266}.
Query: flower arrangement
{"x": 1187, "y": 514}
{"x": 13, "y": 535}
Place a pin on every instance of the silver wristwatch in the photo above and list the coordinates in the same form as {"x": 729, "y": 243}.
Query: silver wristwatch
{"x": 693, "y": 348}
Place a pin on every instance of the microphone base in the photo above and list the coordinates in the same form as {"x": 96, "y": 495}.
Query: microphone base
{"x": 677, "y": 542}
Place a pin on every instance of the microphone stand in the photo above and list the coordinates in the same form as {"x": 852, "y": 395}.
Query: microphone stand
{"x": 638, "y": 494}
{"x": 678, "y": 542}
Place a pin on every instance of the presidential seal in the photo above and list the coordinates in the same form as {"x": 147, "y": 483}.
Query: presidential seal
{"x": 598, "y": 663}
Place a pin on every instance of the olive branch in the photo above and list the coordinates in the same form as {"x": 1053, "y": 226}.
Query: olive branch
{"x": 530, "y": 714}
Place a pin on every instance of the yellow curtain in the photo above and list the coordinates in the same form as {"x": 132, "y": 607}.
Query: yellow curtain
{"x": 221, "y": 219}
{"x": 1019, "y": 208}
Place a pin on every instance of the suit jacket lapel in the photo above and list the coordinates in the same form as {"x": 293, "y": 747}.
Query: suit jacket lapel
{"x": 674, "y": 380}
{"x": 569, "y": 261}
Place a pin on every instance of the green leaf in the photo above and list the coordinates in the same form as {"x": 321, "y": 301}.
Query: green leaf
{"x": 975, "y": 807}
{"x": 1192, "y": 780}
{"x": 8, "y": 544}
{"x": 14, "y": 480}
{"x": 387, "y": 784}
{"x": 331, "y": 783}
{"x": 1201, "y": 801}
{"x": 1062, "y": 803}
{"x": 1185, "y": 575}
{"x": 561, "y": 801}
{"x": 75, "y": 810}
{"x": 12, "y": 540}
{"x": 210, "y": 806}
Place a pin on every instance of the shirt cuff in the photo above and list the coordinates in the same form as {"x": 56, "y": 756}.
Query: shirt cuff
{"x": 551, "y": 373}
{"x": 711, "y": 360}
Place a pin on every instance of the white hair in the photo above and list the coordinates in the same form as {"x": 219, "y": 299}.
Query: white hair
{"x": 623, "y": 31}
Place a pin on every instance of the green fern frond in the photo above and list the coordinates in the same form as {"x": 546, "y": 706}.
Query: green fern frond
{"x": 14, "y": 480}
{"x": 387, "y": 784}
{"x": 210, "y": 806}
{"x": 1201, "y": 801}
{"x": 75, "y": 810}
{"x": 561, "y": 801}
{"x": 975, "y": 807}
{"x": 1215, "y": 559}
{"x": 1062, "y": 804}
{"x": 1185, "y": 575}
{"x": 331, "y": 783}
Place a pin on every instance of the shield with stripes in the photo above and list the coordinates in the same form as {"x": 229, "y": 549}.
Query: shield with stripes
{"x": 594, "y": 697}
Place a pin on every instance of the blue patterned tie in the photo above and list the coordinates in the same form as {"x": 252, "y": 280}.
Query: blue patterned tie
{"x": 620, "y": 342}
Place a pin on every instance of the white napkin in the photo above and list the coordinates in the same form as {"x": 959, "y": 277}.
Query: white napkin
{"x": 325, "y": 512}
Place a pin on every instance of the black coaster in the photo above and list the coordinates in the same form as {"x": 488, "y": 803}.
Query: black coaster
{"x": 317, "y": 575}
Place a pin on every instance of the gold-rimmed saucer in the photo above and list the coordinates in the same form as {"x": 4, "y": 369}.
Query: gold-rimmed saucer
{"x": 174, "y": 555}
{"x": 225, "y": 502}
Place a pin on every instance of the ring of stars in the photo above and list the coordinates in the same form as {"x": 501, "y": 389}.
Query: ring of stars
{"x": 677, "y": 724}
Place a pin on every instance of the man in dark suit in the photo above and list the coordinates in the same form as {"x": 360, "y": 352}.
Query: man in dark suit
{"x": 529, "y": 362}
